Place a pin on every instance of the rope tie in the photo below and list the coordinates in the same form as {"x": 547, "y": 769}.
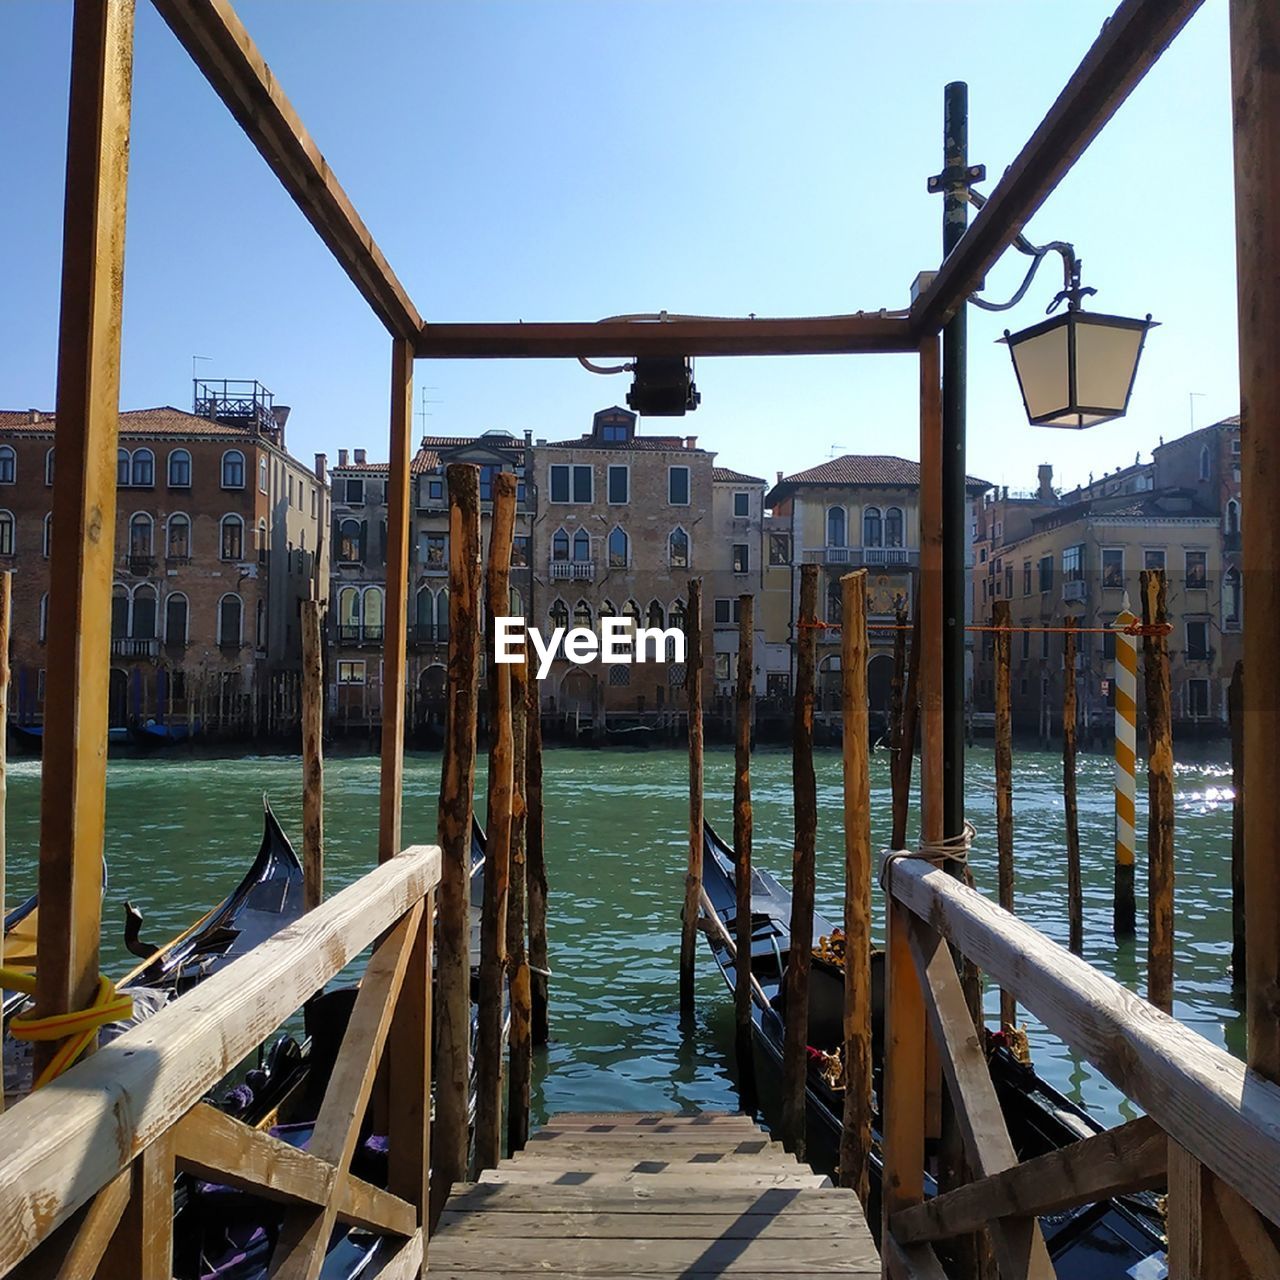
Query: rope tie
{"x": 953, "y": 849}
{"x": 78, "y": 1027}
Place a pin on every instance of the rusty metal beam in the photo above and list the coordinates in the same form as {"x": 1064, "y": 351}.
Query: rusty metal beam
{"x": 222, "y": 49}
{"x": 74, "y": 776}
{"x": 1133, "y": 39}
{"x": 807, "y": 335}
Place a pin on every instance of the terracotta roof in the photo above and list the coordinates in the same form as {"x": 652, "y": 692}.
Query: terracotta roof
{"x": 163, "y": 420}
{"x": 727, "y": 475}
{"x": 652, "y": 444}
{"x": 867, "y": 470}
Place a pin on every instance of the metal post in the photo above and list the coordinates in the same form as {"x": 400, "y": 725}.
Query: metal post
{"x": 955, "y": 217}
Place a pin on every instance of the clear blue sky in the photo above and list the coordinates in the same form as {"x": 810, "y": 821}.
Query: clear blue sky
{"x": 543, "y": 160}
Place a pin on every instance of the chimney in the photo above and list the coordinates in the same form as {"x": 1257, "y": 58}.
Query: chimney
{"x": 33, "y": 416}
{"x": 280, "y": 413}
{"x": 1045, "y": 492}
{"x": 342, "y": 457}
{"x": 528, "y": 437}
{"x": 779, "y": 475}
{"x": 361, "y": 455}
{"x": 322, "y": 462}
{"x": 691, "y": 442}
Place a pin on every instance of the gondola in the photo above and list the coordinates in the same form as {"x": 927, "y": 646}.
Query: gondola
{"x": 152, "y": 734}
{"x": 268, "y": 898}
{"x": 222, "y": 1233}
{"x": 1107, "y": 1240}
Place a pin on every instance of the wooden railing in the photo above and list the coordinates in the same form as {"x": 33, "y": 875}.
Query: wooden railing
{"x": 1211, "y": 1132}
{"x": 102, "y": 1143}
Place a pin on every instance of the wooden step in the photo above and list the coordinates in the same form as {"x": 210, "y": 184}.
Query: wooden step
{"x": 650, "y": 1195}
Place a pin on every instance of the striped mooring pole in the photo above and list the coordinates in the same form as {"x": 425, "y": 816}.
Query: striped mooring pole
{"x": 1126, "y": 676}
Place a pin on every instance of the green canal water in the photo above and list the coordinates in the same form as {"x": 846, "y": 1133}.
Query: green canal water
{"x": 182, "y": 829}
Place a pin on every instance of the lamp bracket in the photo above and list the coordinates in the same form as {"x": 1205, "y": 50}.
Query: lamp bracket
{"x": 957, "y": 177}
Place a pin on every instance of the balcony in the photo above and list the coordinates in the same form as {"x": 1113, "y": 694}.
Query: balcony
{"x": 427, "y": 633}
{"x": 904, "y": 556}
{"x": 1075, "y": 589}
{"x": 127, "y": 647}
{"x": 573, "y": 570}
{"x": 358, "y": 635}
{"x": 141, "y": 564}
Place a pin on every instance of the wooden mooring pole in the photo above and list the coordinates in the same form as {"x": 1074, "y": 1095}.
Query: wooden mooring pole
{"x": 905, "y": 748}
{"x": 1000, "y": 619}
{"x": 497, "y": 860}
{"x": 1235, "y": 701}
{"x": 451, "y": 1130}
{"x": 6, "y": 617}
{"x": 536, "y": 869}
{"x": 1155, "y": 675}
{"x": 693, "y": 874}
{"x": 312, "y": 757}
{"x": 1075, "y": 892}
{"x": 1125, "y": 912}
{"x": 855, "y": 1135}
{"x": 521, "y": 1046}
{"x": 795, "y": 1064}
{"x": 742, "y": 830}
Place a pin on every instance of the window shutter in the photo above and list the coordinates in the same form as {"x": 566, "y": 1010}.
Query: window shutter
{"x": 364, "y": 541}
{"x": 336, "y": 544}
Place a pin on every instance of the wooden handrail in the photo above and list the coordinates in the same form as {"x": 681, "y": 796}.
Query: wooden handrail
{"x": 62, "y": 1144}
{"x": 1208, "y": 1102}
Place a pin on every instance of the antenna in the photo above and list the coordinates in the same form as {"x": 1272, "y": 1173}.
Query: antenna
{"x": 834, "y": 447}
{"x": 423, "y": 412}
{"x": 193, "y": 378}
{"x": 1192, "y": 396}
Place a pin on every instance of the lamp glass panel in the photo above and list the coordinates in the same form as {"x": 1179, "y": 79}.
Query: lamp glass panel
{"x": 1043, "y": 371}
{"x": 1106, "y": 357}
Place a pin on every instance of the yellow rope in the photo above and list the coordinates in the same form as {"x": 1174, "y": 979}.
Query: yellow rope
{"x": 77, "y": 1028}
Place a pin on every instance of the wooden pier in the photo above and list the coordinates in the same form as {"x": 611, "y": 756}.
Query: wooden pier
{"x": 648, "y": 1194}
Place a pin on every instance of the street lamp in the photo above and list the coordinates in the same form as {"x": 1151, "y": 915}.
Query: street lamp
{"x": 1077, "y": 369}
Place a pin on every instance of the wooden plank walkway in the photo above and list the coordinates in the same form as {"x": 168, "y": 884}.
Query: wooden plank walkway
{"x": 648, "y": 1194}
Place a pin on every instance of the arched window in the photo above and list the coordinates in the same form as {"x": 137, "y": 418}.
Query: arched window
{"x": 232, "y": 538}
{"x": 179, "y": 469}
{"x": 141, "y": 537}
{"x": 349, "y": 541}
{"x": 872, "y": 532}
{"x": 835, "y": 527}
{"x": 262, "y": 541}
{"x": 679, "y": 615}
{"x": 835, "y": 601}
{"x": 581, "y": 546}
{"x": 175, "y": 620}
{"x": 678, "y": 549}
{"x": 47, "y": 541}
{"x": 233, "y": 469}
{"x": 559, "y": 545}
{"x": 1204, "y": 462}
{"x": 515, "y": 604}
{"x": 260, "y": 625}
{"x": 122, "y": 467}
{"x": 1233, "y": 515}
{"x": 48, "y": 466}
{"x": 373, "y": 613}
{"x": 119, "y": 612}
{"x": 144, "y": 613}
{"x": 893, "y": 527}
{"x": 424, "y": 609}
{"x": 6, "y": 533}
{"x": 8, "y": 464}
{"x": 559, "y": 614}
{"x": 179, "y": 537}
{"x": 619, "y": 548}
{"x": 582, "y": 614}
{"x": 230, "y": 621}
{"x": 442, "y": 615}
{"x": 631, "y": 610}
{"x": 348, "y": 615}
{"x": 657, "y": 614}
{"x": 44, "y": 617}
{"x": 263, "y": 474}
{"x": 1231, "y": 597}
{"x": 142, "y": 472}
{"x": 607, "y": 610}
